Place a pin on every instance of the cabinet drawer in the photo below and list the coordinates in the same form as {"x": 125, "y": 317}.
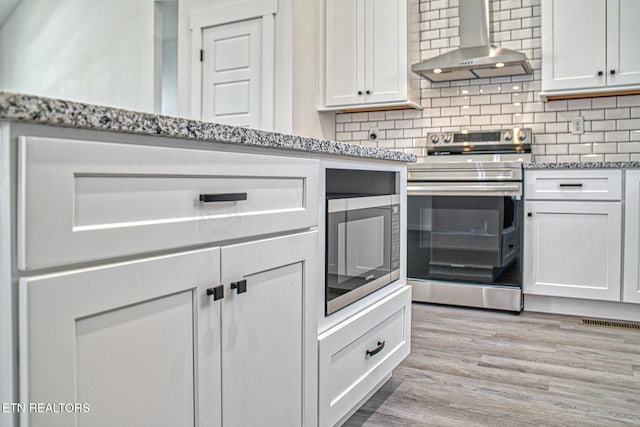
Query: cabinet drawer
{"x": 82, "y": 201}
{"x": 565, "y": 184}
{"x": 348, "y": 369}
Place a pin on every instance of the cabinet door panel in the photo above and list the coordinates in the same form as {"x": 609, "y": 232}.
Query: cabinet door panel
{"x": 623, "y": 34}
{"x": 386, "y": 38}
{"x": 264, "y": 331}
{"x": 573, "y": 249}
{"x": 345, "y": 51}
{"x": 573, "y": 44}
{"x": 123, "y": 339}
{"x": 632, "y": 238}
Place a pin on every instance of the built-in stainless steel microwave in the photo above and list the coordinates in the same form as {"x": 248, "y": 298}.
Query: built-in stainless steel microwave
{"x": 363, "y": 247}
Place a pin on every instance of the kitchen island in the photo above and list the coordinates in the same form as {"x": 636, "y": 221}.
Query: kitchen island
{"x": 165, "y": 271}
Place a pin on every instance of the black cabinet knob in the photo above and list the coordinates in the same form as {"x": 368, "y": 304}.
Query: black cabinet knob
{"x": 240, "y": 287}
{"x": 217, "y": 292}
{"x": 612, "y": 72}
{"x": 529, "y": 214}
{"x": 368, "y": 92}
{"x": 600, "y": 72}
{"x": 359, "y": 92}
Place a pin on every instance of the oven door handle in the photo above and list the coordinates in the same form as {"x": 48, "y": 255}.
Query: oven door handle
{"x": 465, "y": 189}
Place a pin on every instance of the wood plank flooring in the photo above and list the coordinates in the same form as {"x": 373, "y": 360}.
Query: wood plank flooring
{"x": 471, "y": 367}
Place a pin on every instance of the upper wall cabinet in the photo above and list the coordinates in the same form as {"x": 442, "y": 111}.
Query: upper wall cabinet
{"x": 368, "y": 48}
{"x": 590, "y": 47}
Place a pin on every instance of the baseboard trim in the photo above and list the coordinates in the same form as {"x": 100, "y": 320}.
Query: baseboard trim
{"x": 582, "y": 307}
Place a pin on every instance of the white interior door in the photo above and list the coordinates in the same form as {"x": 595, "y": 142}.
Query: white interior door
{"x": 232, "y": 78}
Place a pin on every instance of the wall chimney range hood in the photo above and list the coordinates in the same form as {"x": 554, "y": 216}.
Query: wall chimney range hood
{"x": 476, "y": 58}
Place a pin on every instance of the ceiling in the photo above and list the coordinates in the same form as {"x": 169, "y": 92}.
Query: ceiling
{"x": 6, "y": 7}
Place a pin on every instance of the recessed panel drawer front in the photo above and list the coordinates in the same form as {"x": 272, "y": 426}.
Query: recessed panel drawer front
{"x": 82, "y": 201}
{"x": 358, "y": 354}
{"x": 563, "y": 184}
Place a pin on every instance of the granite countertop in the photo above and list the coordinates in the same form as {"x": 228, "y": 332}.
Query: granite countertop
{"x": 583, "y": 165}
{"x": 57, "y": 112}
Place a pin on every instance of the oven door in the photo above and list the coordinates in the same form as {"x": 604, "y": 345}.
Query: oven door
{"x": 362, "y": 247}
{"x": 465, "y": 232}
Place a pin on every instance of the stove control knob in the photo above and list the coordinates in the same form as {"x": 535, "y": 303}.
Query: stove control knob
{"x": 522, "y": 136}
{"x": 508, "y": 136}
{"x": 447, "y": 138}
{"x": 435, "y": 139}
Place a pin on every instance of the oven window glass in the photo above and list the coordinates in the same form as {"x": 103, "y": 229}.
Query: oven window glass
{"x": 359, "y": 251}
{"x": 473, "y": 239}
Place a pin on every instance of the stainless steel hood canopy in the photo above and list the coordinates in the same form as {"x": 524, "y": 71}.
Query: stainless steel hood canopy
{"x": 475, "y": 58}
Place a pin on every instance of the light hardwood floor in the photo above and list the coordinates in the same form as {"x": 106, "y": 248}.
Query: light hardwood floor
{"x": 471, "y": 367}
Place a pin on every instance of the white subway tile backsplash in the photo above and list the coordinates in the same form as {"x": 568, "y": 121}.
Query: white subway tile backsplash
{"x": 631, "y": 124}
{"x": 579, "y": 104}
{"x": 461, "y": 121}
{"x": 604, "y": 102}
{"x": 568, "y": 159}
{"x": 616, "y": 157}
{"x": 603, "y": 125}
{"x": 617, "y": 136}
{"x": 557, "y": 149}
{"x": 545, "y": 117}
{"x": 592, "y": 114}
{"x": 490, "y": 109}
{"x": 629, "y": 147}
{"x": 592, "y": 158}
{"x": 604, "y": 148}
{"x": 580, "y": 148}
{"x": 617, "y": 113}
{"x": 352, "y": 126}
{"x": 441, "y": 121}
{"x": 612, "y": 124}
{"x": 559, "y": 127}
{"x": 629, "y": 101}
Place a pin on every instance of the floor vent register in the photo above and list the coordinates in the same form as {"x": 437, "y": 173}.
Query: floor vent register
{"x": 611, "y": 323}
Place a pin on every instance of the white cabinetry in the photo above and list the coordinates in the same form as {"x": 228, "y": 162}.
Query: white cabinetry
{"x": 589, "y": 47}
{"x": 367, "y": 53}
{"x": 221, "y": 335}
{"x": 358, "y": 354}
{"x": 573, "y": 234}
{"x": 632, "y": 238}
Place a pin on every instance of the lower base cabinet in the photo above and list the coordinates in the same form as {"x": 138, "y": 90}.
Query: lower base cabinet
{"x": 573, "y": 249}
{"x": 149, "y": 341}
{"x": 359, "y": 353}
{"x": 632, "y": 237}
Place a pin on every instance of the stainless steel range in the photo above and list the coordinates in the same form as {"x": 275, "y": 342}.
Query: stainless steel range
{"x": 464, "y": 219}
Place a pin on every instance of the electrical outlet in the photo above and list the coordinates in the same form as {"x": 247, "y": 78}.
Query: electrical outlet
{"x": 577, "y": 125}
{"x": 373, "y": 134}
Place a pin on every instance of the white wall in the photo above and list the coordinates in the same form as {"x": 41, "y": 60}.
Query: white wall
{"x": 85, "y": 50}
{"x": 307, "y": 121}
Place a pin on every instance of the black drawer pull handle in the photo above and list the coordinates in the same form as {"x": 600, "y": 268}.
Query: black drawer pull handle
{"x": 376, "y": 350}
{"x": 227, "y": 197}
{"x": 240, "y": 287}
{"x": 217, "y": 292}
{"x": 570, "y": 185}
